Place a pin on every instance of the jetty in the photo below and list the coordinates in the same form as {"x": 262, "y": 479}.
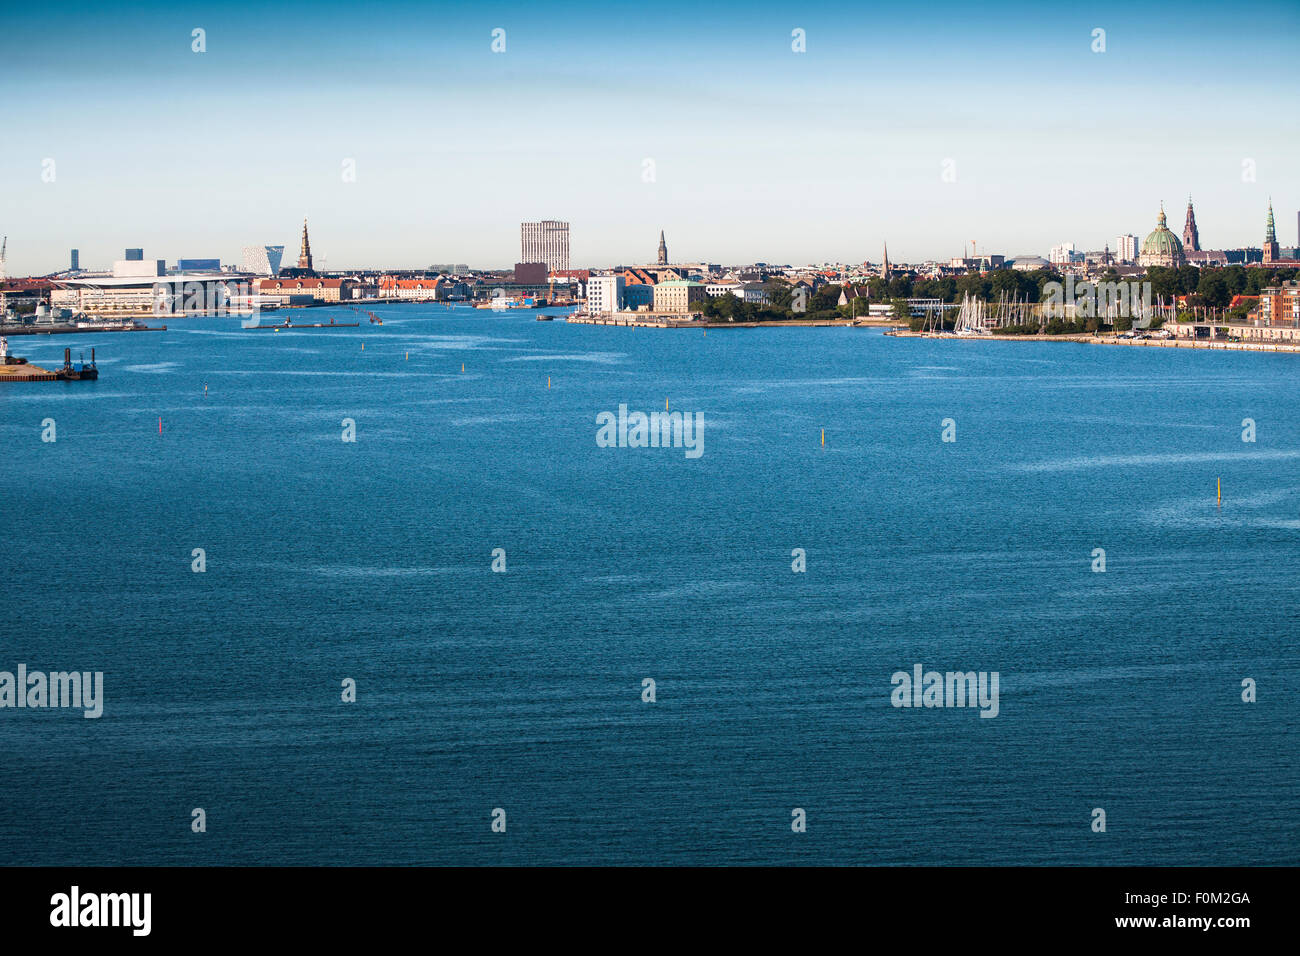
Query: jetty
{"x": 15, "y": 369}
{"x": 66, "y": 329}
{"x": 304, "y": 325}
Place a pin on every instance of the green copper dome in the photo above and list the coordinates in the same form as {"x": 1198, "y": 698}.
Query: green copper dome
{"x": 1162, "y": 247}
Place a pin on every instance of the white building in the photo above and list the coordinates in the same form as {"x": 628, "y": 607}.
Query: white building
{"x": 605, "y": 294}
{"x": 1062, "y": 255}
{"x": 1126, "y": 248}
{"x": 263, "y": 260}
{"x": 715, "y": 289}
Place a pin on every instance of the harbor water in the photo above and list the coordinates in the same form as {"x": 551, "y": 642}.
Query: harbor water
{"x": 523, "y": 690}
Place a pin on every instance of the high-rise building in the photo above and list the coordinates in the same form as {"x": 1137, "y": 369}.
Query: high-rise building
{"x": 663, "y": 249}
{"x": 134, "y": 255}
{"x": 74, "y": 264}
{"x": 1126, "y": 248}
{"x": 263, "y": 260}
{"x": 546, "y": 241}
{"x": 1271, "y": 252}
{"x": 1191, "y": 238}
{"x": 304, "y": 256}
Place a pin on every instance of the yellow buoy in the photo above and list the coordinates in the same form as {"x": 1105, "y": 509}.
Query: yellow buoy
{"x": 548, "y": 381}
{"x": 665, "y": 403}
{"x": 408, "y": 356}
{"x": 363, "y": 346}
{"x": 1218, "y": 483}
{"x": 462, "y": 366}
{"x": 823, "y": 438}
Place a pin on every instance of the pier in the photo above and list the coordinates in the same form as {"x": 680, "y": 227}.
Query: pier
{"x": 77, "y": 329}
{"x": 14, "y": 369}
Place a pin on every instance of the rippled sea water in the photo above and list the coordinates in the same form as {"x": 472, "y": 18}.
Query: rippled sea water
{"x": 372, "y": 560}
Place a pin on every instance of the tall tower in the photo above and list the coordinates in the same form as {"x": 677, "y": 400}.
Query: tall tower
{"x": 304, "y": 257}
{"x": 663, "y": 249}
{"x": 1191, "y": 238}
{"x": 884, "y": 269}
{"x": 1271, "y": 253}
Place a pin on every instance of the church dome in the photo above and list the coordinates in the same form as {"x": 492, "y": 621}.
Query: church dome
{"x": 1161, "y": 247}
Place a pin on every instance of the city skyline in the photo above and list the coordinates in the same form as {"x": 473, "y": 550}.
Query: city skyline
{"x": 423, "y": 145}
{"x": 506, "y": 261}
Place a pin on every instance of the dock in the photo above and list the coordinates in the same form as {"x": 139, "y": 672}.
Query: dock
{"x": 77, "y": 329}
{"x": 13, "y": 369}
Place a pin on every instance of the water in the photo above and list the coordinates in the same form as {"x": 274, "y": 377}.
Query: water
{"x": 371, "y": 560}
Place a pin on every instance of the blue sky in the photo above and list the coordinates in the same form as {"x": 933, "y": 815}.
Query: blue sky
{"x": 759, "y": 153}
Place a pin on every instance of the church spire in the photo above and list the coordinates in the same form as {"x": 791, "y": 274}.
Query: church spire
{"x": 1191, "y": 237}
{"x": 663, "y": 249}
{"x": 1271, "y": 251}
{"x": 884, "y": 269}
{"x": 304, "y": 257}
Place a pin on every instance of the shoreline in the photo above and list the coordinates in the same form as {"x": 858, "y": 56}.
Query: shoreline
{"x": 778, "y": 323}
{"x": 1087, "y": 339}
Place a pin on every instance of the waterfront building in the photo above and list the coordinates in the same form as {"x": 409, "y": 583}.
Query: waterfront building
{"x": 1161, "y": 247}
{"x": 663, "y": 250}
{"x": 321, "y": 290}
{"x": 545, "y": 241}
{"x": 410, "y": 290}
{"x": 262, "y": 260}
{"x": 568, "y": 284}
{"x": 1279, "y": 305}
{"x": 605, "y": 294}
{"x": 679, "y": 296}
{"x": 141, "y": 287}
{"x": 1191, "y": 238}
{"x": 1271, "y": 253}
{"x": 638, "y": 295}
{"x": 1126, "y": 249}
{"x": 756, "y": 293}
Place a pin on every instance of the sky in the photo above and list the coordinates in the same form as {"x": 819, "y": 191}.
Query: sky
{"x": 926, "y": 126}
